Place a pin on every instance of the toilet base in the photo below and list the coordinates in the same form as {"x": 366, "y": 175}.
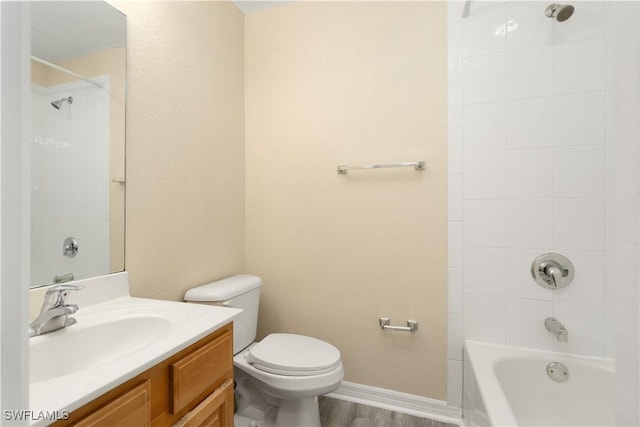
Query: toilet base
{"x": 290, "y": 413}
{"x": 242, "y": 421}
{"x": 298, "y": 412}
{"x": 258, "y": 408}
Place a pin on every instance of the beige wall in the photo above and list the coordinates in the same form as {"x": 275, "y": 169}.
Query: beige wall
{"x": 112, "y": 62}
{"x": 329, "y": 83}
{"x": 326, "y": 83}
{"x": 185, "y": 145}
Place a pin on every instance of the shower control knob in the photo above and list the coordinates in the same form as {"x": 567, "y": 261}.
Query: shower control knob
{"x": 70, "y": 247}
{"x": 552, "y": 271}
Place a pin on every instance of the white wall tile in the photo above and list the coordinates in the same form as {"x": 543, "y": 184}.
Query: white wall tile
{"x": 621, "y": 343}
{"x": 621, "y": 267}
{"x": 454, "y": 58}
{"x": 484, "y": 318}
{"x": 485, "y": 271}
{"x": 456, "y": 246}
{"x": 484, "y": 126}
{"x": 610, "y": 321}
{"x": 579, "y": 119}
{"x": 520, "y": 283}
{"x": 530, "y": 123}
{"x": 454, "y": 290}
{"x": 585, "y": 324}
{"x": 589, "y": 281}
{"x": 483, "y": 79}
{"x": 579, "y": 224}
{"x": 530, "y": 173}
{"x": 530, "y": 72}
{"x": 455, "y": 152}
{"x": 530, "y": 223}
{"x": 456, "y": 197}
{"x": 454, "y": 106}
{"x": 556, "y": 121}
{"x": 484, "y": 223}
{"x": 454, "y": 17}
{"x": 484, "y": 174}
{"x": 622, "y": 19}
{"x": 532, "y": 27}
{"x": 579, "y": 171}
{"x": 483, "y": 30}
{"x": 587, "y": 22}
{"x": 454, "y": 383}
{"x": 580, "y": 66}
{"x": 454, "y": 340}
{"x": 525, "y": 323}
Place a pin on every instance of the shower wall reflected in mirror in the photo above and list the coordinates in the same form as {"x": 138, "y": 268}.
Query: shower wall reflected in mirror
{"x": 77, "y": 174}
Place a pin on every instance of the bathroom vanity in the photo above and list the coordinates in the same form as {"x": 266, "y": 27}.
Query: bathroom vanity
{"x": 134, "y": 361}
{"x": 192, "y": 388}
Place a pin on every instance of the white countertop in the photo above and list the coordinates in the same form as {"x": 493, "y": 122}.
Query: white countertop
{"x": 65, "y": 382}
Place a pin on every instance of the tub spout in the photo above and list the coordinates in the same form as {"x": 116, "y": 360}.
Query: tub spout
{"x": 558, "y": 330}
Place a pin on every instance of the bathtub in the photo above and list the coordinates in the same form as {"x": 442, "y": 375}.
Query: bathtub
{"x": 509, "y": 386}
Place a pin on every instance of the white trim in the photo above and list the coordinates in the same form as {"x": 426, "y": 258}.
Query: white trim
{"x": 410, "y": 404}
{"x": 15, "y": 180}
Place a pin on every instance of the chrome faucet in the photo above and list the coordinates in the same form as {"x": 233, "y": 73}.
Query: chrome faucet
{"x": 54, "y": 313}
{"x": 558, "y": 330}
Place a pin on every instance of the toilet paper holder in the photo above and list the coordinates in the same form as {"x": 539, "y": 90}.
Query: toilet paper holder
{"x": 385, "y": 323}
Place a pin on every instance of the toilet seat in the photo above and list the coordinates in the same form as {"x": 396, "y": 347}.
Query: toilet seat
{"x": 294, "y": 355}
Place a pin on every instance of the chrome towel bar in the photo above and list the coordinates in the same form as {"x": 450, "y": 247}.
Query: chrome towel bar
{"x": 385, "y": 323}
{"x": 418, "y": 165}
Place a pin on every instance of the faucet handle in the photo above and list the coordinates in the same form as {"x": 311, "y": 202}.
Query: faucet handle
{"x": 57, "y": 295}
{"x": 64, "y": 287}
{"x": 552, "y": 271}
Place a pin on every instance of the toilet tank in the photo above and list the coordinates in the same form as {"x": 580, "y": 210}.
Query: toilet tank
{"x": 241, "y": 291}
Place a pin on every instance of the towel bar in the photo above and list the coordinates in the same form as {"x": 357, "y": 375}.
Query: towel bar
{"x": 385, "y": 323}
{"x": 418, "y": 165}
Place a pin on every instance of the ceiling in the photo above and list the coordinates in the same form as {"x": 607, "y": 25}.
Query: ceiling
{"x": 66, "y": 29}
{"x": 251, "y": 6}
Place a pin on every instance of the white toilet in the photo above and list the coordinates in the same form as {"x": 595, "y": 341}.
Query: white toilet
{"x": 279, "y": 379}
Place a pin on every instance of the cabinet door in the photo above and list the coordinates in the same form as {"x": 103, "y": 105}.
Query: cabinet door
{"x": 195, "y": 375}
{"x": 215, "y": 411}
{"x": 133, "y": 408}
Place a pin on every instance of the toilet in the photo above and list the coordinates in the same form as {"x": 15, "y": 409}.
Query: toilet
{"x": 279, "y": 379}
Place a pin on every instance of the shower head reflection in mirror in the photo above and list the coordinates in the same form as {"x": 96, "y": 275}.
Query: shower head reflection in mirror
{"x": 57, "y": 104}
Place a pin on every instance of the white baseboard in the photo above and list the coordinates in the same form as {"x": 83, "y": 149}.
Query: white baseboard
{"x": 410, "y": 404}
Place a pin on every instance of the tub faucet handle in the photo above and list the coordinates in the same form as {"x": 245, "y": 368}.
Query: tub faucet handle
{"x": 555, "y": 273}
{"x": 552, "y": 271}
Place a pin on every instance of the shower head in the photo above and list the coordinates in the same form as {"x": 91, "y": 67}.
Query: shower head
{"x": 561, "y": 12}
{"x": 57, "y": 104}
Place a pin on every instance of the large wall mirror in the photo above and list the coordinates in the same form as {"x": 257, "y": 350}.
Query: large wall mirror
{"x": 78, "y": 69}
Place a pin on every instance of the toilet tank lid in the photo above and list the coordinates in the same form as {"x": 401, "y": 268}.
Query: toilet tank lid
{"x": 222, "y": 290}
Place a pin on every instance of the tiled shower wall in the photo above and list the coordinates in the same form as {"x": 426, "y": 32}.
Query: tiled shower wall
{"x": 70, "y": 181}
{"x": 543, "y": 122}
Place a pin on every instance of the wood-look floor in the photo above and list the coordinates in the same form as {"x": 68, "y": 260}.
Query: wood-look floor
{"x": 338, "y": 413}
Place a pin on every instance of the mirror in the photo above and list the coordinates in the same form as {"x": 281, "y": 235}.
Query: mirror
{"x": 78, "y": 71}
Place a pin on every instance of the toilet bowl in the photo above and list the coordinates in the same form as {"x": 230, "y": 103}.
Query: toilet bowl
{"x": 279, "y": 379}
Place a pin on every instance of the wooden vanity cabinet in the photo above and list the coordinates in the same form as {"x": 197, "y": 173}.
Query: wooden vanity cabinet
{"x": 189, "y": 389}
{"x": 132, "y": 408}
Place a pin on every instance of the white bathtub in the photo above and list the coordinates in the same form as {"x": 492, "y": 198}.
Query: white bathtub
{"x": 509, "y": 386}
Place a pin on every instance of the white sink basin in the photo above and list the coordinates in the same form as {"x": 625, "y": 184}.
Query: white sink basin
{"x": 96, "y": 344}
{"x": 116, "y": 337}
{"x": 102, "y": 335}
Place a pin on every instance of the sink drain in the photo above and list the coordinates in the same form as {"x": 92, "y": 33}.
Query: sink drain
{"x": 558, "y": 372}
